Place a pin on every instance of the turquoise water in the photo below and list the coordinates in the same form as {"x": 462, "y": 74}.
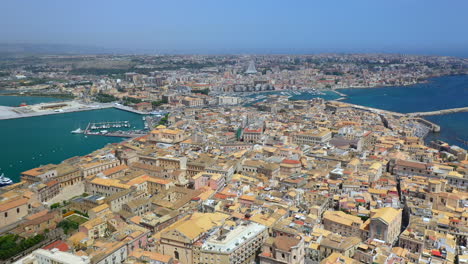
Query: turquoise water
{"x": 30, "y": 142}
{"x": 438, "y": 93}
{"x": 17, "y": 100}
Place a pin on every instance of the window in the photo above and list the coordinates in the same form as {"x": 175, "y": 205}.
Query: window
{"x": 6, "y": 214}
{"x": 17, "y": 210}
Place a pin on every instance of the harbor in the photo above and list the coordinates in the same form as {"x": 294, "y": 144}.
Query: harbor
{"x": 52, "y": 142}
{"x": 107, "y": 128}
{"x": 41, "y": 109}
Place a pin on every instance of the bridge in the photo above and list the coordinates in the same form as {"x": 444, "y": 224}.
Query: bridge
{"x": 440, "y": 112}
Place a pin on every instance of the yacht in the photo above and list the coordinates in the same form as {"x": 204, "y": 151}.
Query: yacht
{"x": 4, "y": 181}
{"x": 77, "y": 131}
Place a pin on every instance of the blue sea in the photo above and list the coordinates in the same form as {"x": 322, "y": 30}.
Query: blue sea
{"x": 438, "y": 93}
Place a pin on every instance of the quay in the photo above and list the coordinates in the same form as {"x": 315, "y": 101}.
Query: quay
{"x": 7, "y": 112}
{"x": 343, "y": 96}
{"x": 99, "y": 129}
{"x": 125, "y": 134}
{"x": 105, "y": 125}
{"x": 369, "y": 109}
{"x": 440, "y": 112}
{"x": 434, "y": 127}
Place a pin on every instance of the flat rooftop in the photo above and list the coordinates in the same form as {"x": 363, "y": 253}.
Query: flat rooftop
{"x": 227, "y": 243}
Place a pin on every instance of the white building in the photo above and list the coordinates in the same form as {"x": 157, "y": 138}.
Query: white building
{"x": 54, "y": 256}
{"x": 228, "y": 100}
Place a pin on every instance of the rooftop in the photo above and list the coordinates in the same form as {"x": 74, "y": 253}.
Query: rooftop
{"x": 234, "y": 238}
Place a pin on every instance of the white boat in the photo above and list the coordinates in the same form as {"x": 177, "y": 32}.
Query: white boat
{"x": 77, "y": 131}
{"x": 4, "y": 181}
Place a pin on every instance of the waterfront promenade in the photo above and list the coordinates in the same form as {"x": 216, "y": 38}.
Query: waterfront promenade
{"x": 7, "y": 112}
{"x": 434, "y": 127}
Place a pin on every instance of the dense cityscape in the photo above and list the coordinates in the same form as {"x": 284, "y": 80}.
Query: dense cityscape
{"x": 229, "y": 168}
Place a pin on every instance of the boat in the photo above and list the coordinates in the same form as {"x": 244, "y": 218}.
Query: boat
{"x": 4, "y": 181}
{"x": 77, "y": 131}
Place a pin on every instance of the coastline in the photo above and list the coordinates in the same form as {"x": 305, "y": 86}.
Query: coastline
{"x": 425, "y": 80}
{"x": 7, "y": 112}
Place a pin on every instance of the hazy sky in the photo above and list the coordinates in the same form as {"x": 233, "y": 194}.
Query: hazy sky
{"x": 214, "y": 26}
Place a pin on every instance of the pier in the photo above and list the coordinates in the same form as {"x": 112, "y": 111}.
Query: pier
{"x": 432, "y": 126}
{"x": 440, "y": 112}
{"x": 343, "y": 96}
{"x": 99, "y": 129}
{"x": 129, "y": 109}
{"x": 105, "y": 125}
{"x": 125, "y": 134}
{"x": 8, "y": 112}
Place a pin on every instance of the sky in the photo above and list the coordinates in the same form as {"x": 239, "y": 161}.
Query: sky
{"x": 242, "y": 26}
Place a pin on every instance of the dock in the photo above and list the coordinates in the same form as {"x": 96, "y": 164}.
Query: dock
{"x": 125, "y": 134}
{"x": 8, "y": 112}
{"x": 99, "y": 129}
{"x": 106, "y": 125}
{"x": 440, "y": 112}
{"x": 433, "y": 127}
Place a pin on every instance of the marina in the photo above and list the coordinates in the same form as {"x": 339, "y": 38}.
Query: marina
{"x": 106, "y": 125}
{"x": 52, "y": 140}
{"x": 107, "y": 129}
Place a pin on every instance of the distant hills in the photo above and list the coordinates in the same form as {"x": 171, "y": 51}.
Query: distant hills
{"x": 15, "y": 48}
{"x": 69, "y": 49}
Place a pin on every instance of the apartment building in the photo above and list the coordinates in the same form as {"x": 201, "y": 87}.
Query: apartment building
{"x": 385, "y": 224}
{"x": 237, "y": 243}
{"x": 312, "y": 137}
{"x": 342, "y": 223}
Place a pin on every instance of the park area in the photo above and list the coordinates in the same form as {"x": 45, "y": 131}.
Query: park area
{"x": 77, "y": 218}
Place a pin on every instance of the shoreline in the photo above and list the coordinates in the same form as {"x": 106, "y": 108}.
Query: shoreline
{"x": 426, "y": 80}
{"x": 8, "y": 113}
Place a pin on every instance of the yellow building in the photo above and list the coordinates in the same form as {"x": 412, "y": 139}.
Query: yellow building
{"x": 342, "y": 223}
{"x": 166, "y": 135}
{"x": 178, "y": 239}
{"x": 385, "y": 224}
{"x": 312, "y": 137}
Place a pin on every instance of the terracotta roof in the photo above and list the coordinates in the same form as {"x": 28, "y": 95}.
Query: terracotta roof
{"x": 60, "y": 245}
{"x": 248, "y": 130}
{"x": 115, "y": 169}
{"x": 289, "y": 161}
{"x": 52, "y": 183}
{"x": 285, "y": 243}
{"x": 412, "y": 164}
{"x": 12, "y": 204}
